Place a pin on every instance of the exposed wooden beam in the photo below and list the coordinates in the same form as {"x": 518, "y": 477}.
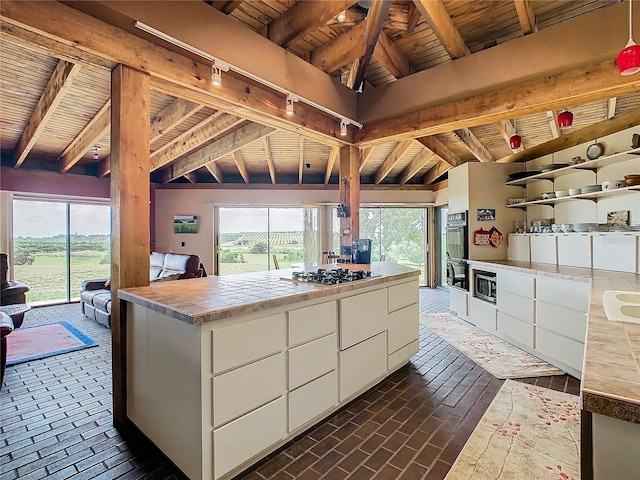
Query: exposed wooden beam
{"x": 226, "y": 6}
{"x": 527, "y": 17}
{"x": 417, "y": 163}
{"x": 365, "y": 155}
{"x": 413, "y": 18}
{"x": 56, "y": 87}
{"x": 270, "y": 163}
{"x": 215, "y": 171}
{"x": 194, "y": 136}
{"x": 300, "y": 160}
{"x": 333, "y": 155}
{"x": 192, "y": 139}
{"x": 611, "y": 107}
{"x": 441, "y": 150}
{"x": 242, "y": 167}
{"x": 174, "y": 114}
{"x": 341, "y": 50}
{"x": 88, "y": 137}
{"x": 435, "y": 172}
{"x": 104, "y": 167}
{"x": 302, "y": 18}
{"x": 392, "y": 59}
{"x": 553, "y": 123}
{"x": 192, "y": 177}
{"x": 225, "y": 146}
{"x": 574, "y": 87}
{"x": 374, "y": 21}
{"x": 474, "y": 145}
{"x": 436, "y": 14}
{"x": 350, "y": 194}
{"x": 392, "y": 159}
{"x": 620, "y": 122}
{"x": 507, "y": 130}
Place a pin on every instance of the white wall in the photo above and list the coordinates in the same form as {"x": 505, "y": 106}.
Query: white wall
{"x": 189, "y": 201}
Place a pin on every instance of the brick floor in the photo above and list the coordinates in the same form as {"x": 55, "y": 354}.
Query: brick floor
{"x": 55, "y": 417}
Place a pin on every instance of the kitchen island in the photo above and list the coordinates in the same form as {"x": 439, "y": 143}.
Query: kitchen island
{"x": 222, "y": 371}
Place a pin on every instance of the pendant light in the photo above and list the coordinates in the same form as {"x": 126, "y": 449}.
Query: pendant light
{"x": 629, "y": 57}
{"x": 565, "y": 119}
{"x": 515, "y": 140}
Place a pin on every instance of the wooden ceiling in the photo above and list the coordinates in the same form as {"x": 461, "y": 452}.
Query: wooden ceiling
{"x": 55, "y": 102}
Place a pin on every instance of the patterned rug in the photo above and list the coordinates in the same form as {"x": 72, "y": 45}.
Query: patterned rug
{"x": 32, "y": 343}
{"x": 499, "y": 358}
{"x": 527, "y": 432}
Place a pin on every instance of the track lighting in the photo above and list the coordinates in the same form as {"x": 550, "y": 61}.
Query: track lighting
{"x": 343, "y": 127}
{"x": 216, "y": 75}
{"x": 342, "y": 16}
{"x": 289, "y": 103}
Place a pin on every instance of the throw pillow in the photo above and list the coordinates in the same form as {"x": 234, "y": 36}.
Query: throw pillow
{"x": 173, "y": 276}
{"x": 107, "y": 284}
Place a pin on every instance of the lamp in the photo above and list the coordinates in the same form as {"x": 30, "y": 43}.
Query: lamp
{"x": 515, "y": 140}
{"x": 289, "y": 103}
{"x": 343, "y": 127}
{"x": 565, "y": 119}
{"x": 629, "y": 58}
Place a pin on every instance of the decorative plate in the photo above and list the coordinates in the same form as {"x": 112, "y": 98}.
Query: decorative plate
{"x": 594, "y": 151}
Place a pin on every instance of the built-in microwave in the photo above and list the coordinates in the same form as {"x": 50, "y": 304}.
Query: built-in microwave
{"x": 485, "y": 286}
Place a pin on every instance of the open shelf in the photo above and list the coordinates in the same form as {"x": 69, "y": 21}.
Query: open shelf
{"x": 586, "y": 196}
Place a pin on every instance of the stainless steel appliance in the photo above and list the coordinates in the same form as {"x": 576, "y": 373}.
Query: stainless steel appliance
{"x": 334, "y": 276}
{"x": 485, "y": 286}
{"x": 457, "y": 250}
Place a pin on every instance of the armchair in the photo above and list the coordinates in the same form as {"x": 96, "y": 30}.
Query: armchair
{"x": 11, "y": 292}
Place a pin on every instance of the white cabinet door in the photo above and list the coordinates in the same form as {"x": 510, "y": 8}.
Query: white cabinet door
{"x": 403, "y": 327}
{"x": 614, "y": 251}
{"x": 458, "y": 301}
{"x": 518, "y": 247}
{"x": 564, "y": 293}
{"x": 362, "y": 364}
{"x": 516, "y": 306}
{"x": 517, "y": 283}
{"x": 482, "y": 314}
{"x": 567, "y": 351}
{"x": 574, "y": 249}
{"x": 543, "y": 248}
{"x": 238, "y": 441}
{"x": 516, "y": 330}
{"x": 402, "y": 356}
{"x": 312, "y": 399}
{"x": 362, "y": 316}
{"x": 312, "y": 322}
{"x": 566, "y": 322}
{"x": 402, "y": 295}
{"x": 312, "y": 360}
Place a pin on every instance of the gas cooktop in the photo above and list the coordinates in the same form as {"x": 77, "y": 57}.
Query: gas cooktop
{"x": 334, "y": 276}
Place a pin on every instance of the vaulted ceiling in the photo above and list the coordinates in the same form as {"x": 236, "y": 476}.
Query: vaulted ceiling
{"x": 55, "y": 89}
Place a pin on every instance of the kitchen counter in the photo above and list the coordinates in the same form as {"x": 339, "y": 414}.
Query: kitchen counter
{"x": 202, "y": 300}
{"x": 610, "y": 383}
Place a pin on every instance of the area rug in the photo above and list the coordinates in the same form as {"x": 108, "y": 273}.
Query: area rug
{"x": 499, "y": 358}
{"x": 32, "y": 343}
{"x": 527, "y": 432}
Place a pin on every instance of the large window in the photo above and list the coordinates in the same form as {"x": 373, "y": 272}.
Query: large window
{"x": 441, "y": 228}
{"x": 57, "y": 245}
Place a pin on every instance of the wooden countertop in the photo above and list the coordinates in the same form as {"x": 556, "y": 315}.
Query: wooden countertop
{"x": 201, "y": 300}
{"x": 610, "y": 383}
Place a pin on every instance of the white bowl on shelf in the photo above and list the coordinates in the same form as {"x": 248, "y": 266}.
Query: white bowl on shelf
{"x": 561, "y": 193}
{"x": 574, "y": 191}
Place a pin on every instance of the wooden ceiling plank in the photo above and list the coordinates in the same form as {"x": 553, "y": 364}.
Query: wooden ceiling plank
{"x": 193, "y": 138}
{"x": 341, "y": 50}
{"x": 526, "y": 15}
{"x": 420, "y": 160}
{"x": 435, "y": 172}
{"x": 507, "y": 130}
{"x": 392, "y": 159}
{"x": 242, "y": 167}
{"x": 553, "y": 123}
{"x": 87, "y": 138}
{"x": 302, "y": 18}
{"x": 611, "y": 107}
{"x": 270, "y": 162}
{"x": 436, "y": 14}
{"x": 392, "y": 59}
{"x": 365, "y": 155}
{"x": 620, "y": 122}
{"x": 375, "y": 20}
{"x": 226, "y": 6}
{"x": 413, "y": 16}
{"x": 441, "y": 150}
{"x": 300, "y": 160}
{"x": 225, "y": 146}
{"x": 331, "y": 161}
{"x": 574, "y": 87}
{"x": 174, "y": 114}
{"x": 58, "y": 84}
{"x": 215, "y": 171}
{"x": 474, "y": 145}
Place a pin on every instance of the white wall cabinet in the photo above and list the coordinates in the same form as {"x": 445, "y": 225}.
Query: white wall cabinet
{"x": 615, "y": 252}
{"x": 574, "y": 249}
{"x": 543, "y": 248}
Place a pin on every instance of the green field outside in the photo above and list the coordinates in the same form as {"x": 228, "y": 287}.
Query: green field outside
{"x": 253, "y": 251}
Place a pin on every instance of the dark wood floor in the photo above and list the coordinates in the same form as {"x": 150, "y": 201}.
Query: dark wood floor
{"x": 55, "y": 417}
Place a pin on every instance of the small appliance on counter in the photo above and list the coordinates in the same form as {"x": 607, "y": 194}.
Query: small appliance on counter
{"x": 361, "y": 251}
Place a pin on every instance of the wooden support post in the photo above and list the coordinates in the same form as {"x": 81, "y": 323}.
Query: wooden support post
{"x": 350, "y": 193}
{"x": 130, "y": 196}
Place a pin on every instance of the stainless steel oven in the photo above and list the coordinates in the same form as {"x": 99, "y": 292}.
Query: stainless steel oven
{"x": 485, "y": 286}
{"x": 457, "y": 250}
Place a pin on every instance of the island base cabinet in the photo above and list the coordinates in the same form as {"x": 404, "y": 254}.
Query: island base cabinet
{"x": 402, "y": 356}
{"x": 312, "y": 399}
{"x": 616, "y": 444}
{"x": 564, "y": 350}
{"x": 362, "y": 316}
{"x": 515, "y": 329}
{"x": 362, "y": 365}
{"x": 403, "y": 327}
{"x": 244, "y": 438}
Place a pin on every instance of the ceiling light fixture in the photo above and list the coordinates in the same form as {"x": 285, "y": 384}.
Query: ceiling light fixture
{"x": 343, "y": 127}
{"x": 216, "y": 75}
{"x": 629, "y": 58}
{"x": 95, "y": 150}
{"x": 565, "y": 119}
{"x": 515, "y": 140}
{"x": 342, "y": 16}
{"x": 289, "y": 103}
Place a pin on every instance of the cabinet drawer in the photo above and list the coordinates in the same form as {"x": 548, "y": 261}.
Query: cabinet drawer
{"x": 565, "y": 350}
{"x": 519, "y": 284}
{"x": 402, "y": 295}
{"x": 543, "y": 248}
{"x": 362, "y": 364}
{"x": 565, "y": 293}
{"x": 614, "y": 251}
{"x": 362, "y": 316}
{"x": 402, "y": 356}
{"x": 241, "y": 390}
{"x": 243, "y": 343}
{"x": 482, "y": 314}
{"x": 574, "y": 250}
{"x": 247, "y": 436}
{"x": 569, "y": 323}
{"x": 517, "y": 330}
{"x": 313, "y": 322}
{"x": 515, "y": 306}
{"x": 403, "y": 327}
{"x": 458, "y": 301}
{"x": 312, "y": 360}
{"x": 312, "y": 399}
